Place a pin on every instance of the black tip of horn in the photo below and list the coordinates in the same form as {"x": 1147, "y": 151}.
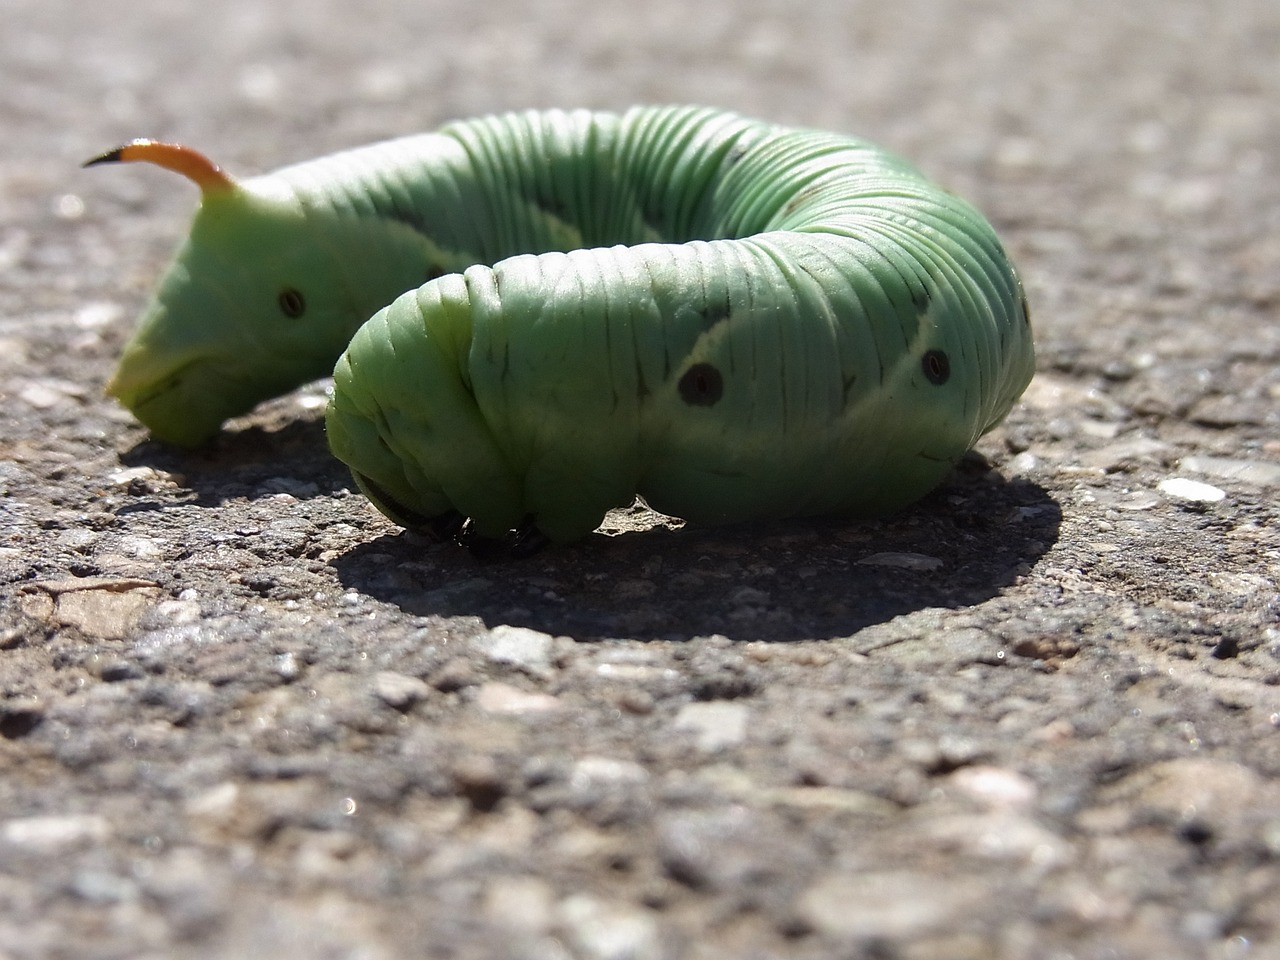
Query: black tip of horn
{"x": 111, "y": 156}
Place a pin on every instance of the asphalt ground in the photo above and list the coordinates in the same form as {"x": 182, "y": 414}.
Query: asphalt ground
{"x": 1035, "y": 716}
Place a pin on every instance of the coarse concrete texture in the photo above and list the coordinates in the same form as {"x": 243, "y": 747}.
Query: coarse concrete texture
{"x": 1036, "y": 716}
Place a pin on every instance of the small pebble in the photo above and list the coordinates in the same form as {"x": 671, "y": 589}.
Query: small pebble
{"x": 142, "y": 548}
{"x": 749, "y": 596}
{"x": 599, "y": 930}
{"x": 78, "y": 539}
{"x": 1194, "y": 491}
{"x": 530, "y": 650}
{"x": 891, "y": 906}
{"x": 398, "y": 690}
{"x": 1198, "y": 796}
{"x": 730, "y": 847}
{"x": 1114, "y": 456}
{"x": 595, "y": 772}
{"x": 104, "y": 613}
{"x": 1024, "y": 464}
{"x": 478, "y": 778}
{"x": 102, "y": 887}
{"x": 115, "y": 671}
{"x": 195, "y": 891}
{"x": 216, "y": 806}
{"x": 179, "y": 611}
{"x": 630, "y": 672}
{"x": 523, "y": 904}
{"x": 996, "y": 787}
{"x": 454, "y": 675}
{"x": 716, "y": 724}
{"x": 148, "y": 477}
{"x": 503, "y": 698}
{"x": 1243, "y": 584}
{"x": 55, "y": 833}
{"x": 999, "y": 835}
{"x": 1133, "y": 501}
{"x": 638, "y": 702}
{"x": 46, "y": 393}
{"x": 97, "y": 313}
{"x": 1260, "y": 473}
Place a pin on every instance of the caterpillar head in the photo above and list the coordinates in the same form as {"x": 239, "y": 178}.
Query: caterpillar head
{"x": 262, "y": 297}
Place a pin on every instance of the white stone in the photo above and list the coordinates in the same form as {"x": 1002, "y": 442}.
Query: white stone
{"x": 1193, "y": 490}
{"x": 53, "y": 833}
{"x": 399, "y": 690}
{"x": 716, "y": 724}
{"x": 523, "y": 904}
{"x": 105, "y": 614}
{"x": 504, "y": 698}
{"x": 609, "y": 931}
{"x": 894, "y": 905}
{"x": 530, "y": 650}
{"x": 1000, "y": 835}
{"x": 590, "y": 771}
{"x": 996, "y": 787}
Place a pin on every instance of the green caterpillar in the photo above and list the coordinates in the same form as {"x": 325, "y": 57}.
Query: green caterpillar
{"x": 732, "y": 319}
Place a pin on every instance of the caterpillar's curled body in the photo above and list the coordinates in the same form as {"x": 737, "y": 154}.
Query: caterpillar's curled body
{"x": 734, "y": 320}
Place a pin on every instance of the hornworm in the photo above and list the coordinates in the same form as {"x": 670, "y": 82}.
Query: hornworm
{"x": 733, "y": 319}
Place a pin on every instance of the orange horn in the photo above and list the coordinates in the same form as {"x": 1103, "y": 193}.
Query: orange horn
{"x": 192, "y": 164}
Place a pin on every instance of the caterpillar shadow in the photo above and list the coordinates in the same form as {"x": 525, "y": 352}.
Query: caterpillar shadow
{"x": 792, "y": 580}
{"x": 788, "y": 580}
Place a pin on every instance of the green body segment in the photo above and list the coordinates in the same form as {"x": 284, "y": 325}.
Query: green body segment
{"x": 733, "y": 319}
{"x": 742, "y": 321}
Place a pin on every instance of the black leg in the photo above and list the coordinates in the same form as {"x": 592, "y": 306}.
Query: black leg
{"x": 484, "y": 549}
{"x": 527, "y": 540}
{"x": 445, "y": 527}
{"x": 516, "y": 545}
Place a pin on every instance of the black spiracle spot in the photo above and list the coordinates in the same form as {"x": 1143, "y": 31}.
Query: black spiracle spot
{"x": 936, "y": 367}
{"x": 702, "y": 385}
{"x": 291, "y": 302}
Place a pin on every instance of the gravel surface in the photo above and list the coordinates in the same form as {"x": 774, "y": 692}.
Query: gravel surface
{"x": 1037, "y": 716}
